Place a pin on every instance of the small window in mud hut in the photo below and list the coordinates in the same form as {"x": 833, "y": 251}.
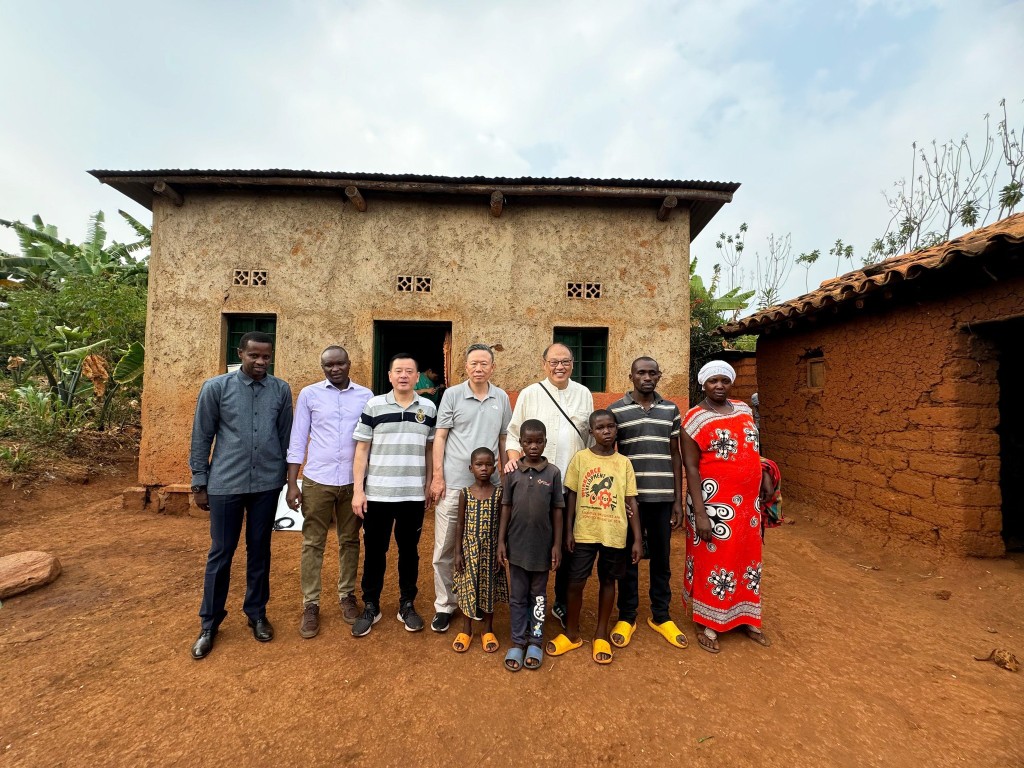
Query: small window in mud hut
{"x": 816, "y": 373}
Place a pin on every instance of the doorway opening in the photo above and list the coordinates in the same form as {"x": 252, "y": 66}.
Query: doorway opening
{"x": 1007, "y": 335}
{"x": 429, "y": 342}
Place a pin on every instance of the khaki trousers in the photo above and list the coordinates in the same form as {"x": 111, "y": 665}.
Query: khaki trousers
{"x": 446, "y": 523}
{"x": 320, "y": 505}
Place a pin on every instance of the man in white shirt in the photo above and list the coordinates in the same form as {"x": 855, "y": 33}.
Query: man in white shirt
{"x": 564, "y": 406}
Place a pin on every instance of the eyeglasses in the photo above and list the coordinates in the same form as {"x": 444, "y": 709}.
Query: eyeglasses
{"x": 560, "y": 363}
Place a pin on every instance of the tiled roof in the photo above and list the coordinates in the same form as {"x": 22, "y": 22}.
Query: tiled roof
{"x": 891, "y": 274}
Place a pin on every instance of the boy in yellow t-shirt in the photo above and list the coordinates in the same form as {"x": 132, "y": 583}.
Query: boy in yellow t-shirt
{"x": 600, "y": 507}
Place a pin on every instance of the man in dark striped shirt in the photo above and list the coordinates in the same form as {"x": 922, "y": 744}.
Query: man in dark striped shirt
{"x": 649, "y": 428}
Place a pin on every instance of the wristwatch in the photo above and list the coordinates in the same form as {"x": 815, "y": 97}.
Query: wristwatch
{"x": 198, "y": 488}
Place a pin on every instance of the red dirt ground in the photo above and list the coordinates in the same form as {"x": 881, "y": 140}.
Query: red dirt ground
{"x": 868, "y": 668}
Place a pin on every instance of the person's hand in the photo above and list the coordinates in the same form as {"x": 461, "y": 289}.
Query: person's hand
{"x": 294, "y": 497}
{"x": 437, "y": 488}
{"x": 677, "y": 514}
{"x": 502, "y": 554}
{"x": 570, "y": 542}
{"x": 510, "y": 465}
{"x": 202, "y": 499}
{"x": 556, "y": 557}
{"x": 638, "y": 552}
{"x": 359, "y": 504}
{"x": 460, "y": 561}
{"x": 432, "y": 391}
{"x": 703, "y": 524}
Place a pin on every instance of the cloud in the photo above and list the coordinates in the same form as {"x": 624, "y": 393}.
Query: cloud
{"x": 811, "y": 106}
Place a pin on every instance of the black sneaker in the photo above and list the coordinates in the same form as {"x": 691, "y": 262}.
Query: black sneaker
{"x": 441, "y": 621}
{"x": 559, "y": 612}
{"x": 408, "y": 616}
{"x": 371, "y": 615}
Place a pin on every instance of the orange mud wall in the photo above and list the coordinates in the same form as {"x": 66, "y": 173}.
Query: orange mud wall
{"x": 331, "y": 272}
{"x": 901, "y": 439}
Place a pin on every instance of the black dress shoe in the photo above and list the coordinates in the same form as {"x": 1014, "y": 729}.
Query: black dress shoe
{"x": 203, "y": 644}
{"x": 262, "y": 629}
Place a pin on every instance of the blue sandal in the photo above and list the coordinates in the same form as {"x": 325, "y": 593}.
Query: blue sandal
{"x": 514, "y": 659}
{"x": 534, "y": 657}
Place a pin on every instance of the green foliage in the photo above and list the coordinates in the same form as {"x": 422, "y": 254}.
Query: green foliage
{"x": 46, "y": 261}
{"x": 708, "y": 312}
{"x": 70, "y": 309}
{"x": 15, "y": 458}
{"x": 129, "y": 367}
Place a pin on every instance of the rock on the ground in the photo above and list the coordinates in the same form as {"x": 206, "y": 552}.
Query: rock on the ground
{"x": 23, "y": 571}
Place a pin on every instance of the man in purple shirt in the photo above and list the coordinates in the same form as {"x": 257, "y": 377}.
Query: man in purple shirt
{"x": 326, "y": 415}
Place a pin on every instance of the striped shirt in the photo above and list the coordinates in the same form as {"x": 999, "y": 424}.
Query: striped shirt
{"x": 646, "y": 438}
{"x": 398, "y": 437}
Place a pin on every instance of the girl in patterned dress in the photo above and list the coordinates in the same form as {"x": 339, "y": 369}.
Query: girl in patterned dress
{"x": 727, "y": 492}
{"x": 480, "y": 581}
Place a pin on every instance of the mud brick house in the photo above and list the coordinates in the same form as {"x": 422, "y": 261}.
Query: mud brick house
{"x": 424, "y": 264}
{"x": 892, "y": 396}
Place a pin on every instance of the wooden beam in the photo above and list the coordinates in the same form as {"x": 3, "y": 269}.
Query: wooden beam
{"x": 164, "y": 189}
{"x": 497, "y": 201}
{"x": 670, "y": 202}
{"x": 509, "y": 190}
{"x": 352, "y": 193}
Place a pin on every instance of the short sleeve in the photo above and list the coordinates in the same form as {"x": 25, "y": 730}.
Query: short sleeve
{"x": 446, "y": 410}
{"x": 572, "y": 474}
{"x": 506, "y": 415}
{"x": 630, "y": 479}
{"x": 677, "y": 423}
{"x": 364, "y": 428}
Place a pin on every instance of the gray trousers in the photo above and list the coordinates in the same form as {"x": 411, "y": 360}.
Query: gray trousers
{"x": 527, "y": 597}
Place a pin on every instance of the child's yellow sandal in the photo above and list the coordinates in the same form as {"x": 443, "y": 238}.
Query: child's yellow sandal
{"x": 670, "y": 632}
{"x": 602, "y": 647}
{"x": 462, "y": 642}
{"x": 624, "y": 632}
{"x": 562, "y": 644}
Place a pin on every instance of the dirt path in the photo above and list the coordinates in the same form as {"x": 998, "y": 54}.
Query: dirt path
{"x": 869, "y": 667}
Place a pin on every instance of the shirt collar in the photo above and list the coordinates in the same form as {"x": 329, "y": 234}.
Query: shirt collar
{"x": 390, "y": 398}
{"x": 248, "y": 380}
{"x": 471, "y": 396}
{"x": 327, "y": 385}
{"x": 628, "y": 397}
{"x": 541, "y": 468}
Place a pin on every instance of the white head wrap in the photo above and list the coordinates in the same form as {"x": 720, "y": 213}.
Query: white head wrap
{"x": 716, "y": 368}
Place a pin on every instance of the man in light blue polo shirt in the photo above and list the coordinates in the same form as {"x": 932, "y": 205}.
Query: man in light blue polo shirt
{"x": 473, "y": 414}
{"x": 391, "y": 478}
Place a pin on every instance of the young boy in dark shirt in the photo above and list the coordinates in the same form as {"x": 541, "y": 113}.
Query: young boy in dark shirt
{"x": 601, "y": 505}
{"x": 529, "y": 542}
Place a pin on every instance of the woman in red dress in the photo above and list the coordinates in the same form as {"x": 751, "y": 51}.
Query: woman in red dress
{"x": 721, "y": 456}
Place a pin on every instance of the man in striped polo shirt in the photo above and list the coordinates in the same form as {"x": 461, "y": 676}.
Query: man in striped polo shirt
{"x": 391, "y": 475}
{"x": 649, "y": 428}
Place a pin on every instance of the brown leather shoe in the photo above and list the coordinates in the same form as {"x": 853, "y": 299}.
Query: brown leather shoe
{"x": 310, "y": 625}
{"x": 349, "y": 609}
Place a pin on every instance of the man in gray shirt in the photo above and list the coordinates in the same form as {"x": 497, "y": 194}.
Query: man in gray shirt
{"x": 246, "y": 417}
{"x": 473, "y": 414}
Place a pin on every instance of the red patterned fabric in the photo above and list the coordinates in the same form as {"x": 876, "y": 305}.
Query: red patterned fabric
{"x": 722, "y": 581}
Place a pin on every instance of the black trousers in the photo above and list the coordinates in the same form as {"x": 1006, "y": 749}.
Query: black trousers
{"x": 656, "y": 523}
{"x": 226, "y": 515}
{"x": 562, "y": 574}
{"x": 406, "y": 518}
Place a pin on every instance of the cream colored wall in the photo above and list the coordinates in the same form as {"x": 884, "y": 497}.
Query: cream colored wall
{"x": 332, "y": 273}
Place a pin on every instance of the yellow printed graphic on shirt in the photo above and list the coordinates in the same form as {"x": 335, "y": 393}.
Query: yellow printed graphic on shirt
{"x": 602, "y": 485}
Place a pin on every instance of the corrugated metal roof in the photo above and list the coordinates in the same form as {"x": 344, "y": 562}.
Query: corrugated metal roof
{"x": 703, "y": 198}
{"x": 890, "y": 274}
{"x": 716, "y": 186}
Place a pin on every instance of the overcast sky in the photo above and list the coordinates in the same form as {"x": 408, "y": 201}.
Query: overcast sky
{"x": 812, "y": 106}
